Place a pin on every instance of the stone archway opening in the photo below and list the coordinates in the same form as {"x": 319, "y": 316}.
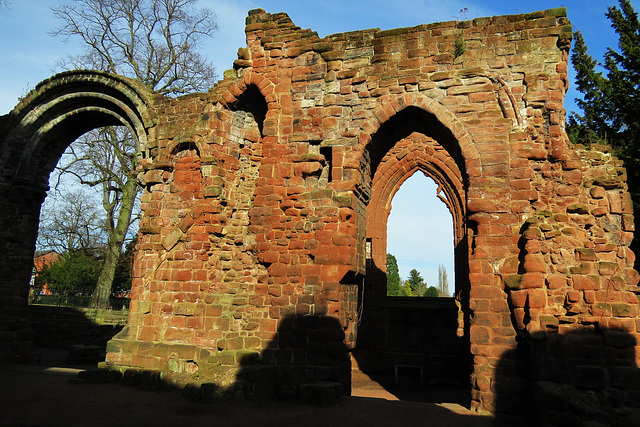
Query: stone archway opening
{"x": 420, "y": 236}
{"x": 34, "y": 137}
{"x": 422, "y": 340}
{"x": 93, "y": 193}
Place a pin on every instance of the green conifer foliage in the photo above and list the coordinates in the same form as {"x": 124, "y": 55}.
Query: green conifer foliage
{"x": 393, "y": 277}
{"x": 611, "y": 92}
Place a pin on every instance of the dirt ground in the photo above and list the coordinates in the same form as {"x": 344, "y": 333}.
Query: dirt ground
{"x": 51, "y": 395}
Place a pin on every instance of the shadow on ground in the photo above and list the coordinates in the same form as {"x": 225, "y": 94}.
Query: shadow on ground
{"x": 557, "y": 379}
{"x": 46, "y": 396}
{"x": 409, "y": 389}
{"x": 79, "y": 332}
{"x": 307, "y": 350}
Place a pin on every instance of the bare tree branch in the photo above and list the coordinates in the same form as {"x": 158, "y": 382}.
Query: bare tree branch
{"x": 72, "y": 224}
{"x": 154, "y": 41}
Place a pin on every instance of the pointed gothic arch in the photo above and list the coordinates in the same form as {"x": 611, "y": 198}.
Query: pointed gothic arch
{"x": 414, "y": 139}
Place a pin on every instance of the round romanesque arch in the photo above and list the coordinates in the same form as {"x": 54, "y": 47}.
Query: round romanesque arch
{"x": 32, "y": 138}
{"x": 67, "y": 105}
{"x": 257, "y": 95}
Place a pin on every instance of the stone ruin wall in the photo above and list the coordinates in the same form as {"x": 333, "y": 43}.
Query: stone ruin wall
{"x": 261, "y": 194}
{"x": 247, "y": 224}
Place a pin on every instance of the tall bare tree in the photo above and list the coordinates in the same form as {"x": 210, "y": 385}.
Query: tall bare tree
{"x": 155, "y": 42}
{"x": 443, "y": 281}
{"x": 71, "y": 223}
{"x": 105, "y": 158}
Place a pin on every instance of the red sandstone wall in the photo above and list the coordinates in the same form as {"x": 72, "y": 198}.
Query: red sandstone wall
{"x": 248, "y": 224}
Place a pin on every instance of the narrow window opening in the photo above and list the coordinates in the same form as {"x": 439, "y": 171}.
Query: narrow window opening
{"x": 327, "y": 152}
{"x": 253, "y": 101}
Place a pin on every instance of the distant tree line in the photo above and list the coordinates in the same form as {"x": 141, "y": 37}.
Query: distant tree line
{"x": 414, "y": 285}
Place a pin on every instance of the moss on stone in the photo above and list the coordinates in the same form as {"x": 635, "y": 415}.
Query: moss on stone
{"x": 513, "y": 281}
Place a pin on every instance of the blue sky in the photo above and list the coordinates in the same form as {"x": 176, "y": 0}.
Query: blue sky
{"x": 29, "y": 53}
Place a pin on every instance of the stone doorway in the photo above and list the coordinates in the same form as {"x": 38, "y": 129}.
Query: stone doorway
{"x": 418, "y": 342}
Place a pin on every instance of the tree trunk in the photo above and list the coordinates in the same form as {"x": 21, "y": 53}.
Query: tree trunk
{"x": 102, "y": 292}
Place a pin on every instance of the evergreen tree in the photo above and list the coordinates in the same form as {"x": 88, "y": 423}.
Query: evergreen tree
{"x": 393, "y": 276}
{"x": 405, "y": 289}
{"x": 416, "y": 283}
{"x": 74, "y": 272}
{"x": 432, "y": 291}
{"x": 611, "y": 93}
{"x": 592, "y": 127}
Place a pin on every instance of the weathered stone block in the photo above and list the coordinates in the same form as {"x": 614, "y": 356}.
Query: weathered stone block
{"x": 586, "y": 254}
{"x": 172, "y": 239}
{"x": 535, "y": 263}
{"x": 586, "y": 282}
{"x": 532, "y": 281}
{"x": 578, "y": 208}
{"x": 185, "y": 309}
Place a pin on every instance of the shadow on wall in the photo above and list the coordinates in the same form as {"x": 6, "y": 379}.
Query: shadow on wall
{"x": 580, "y": 377}
{"x": 427, "y": 338}
{"x": 307, "y": 360}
